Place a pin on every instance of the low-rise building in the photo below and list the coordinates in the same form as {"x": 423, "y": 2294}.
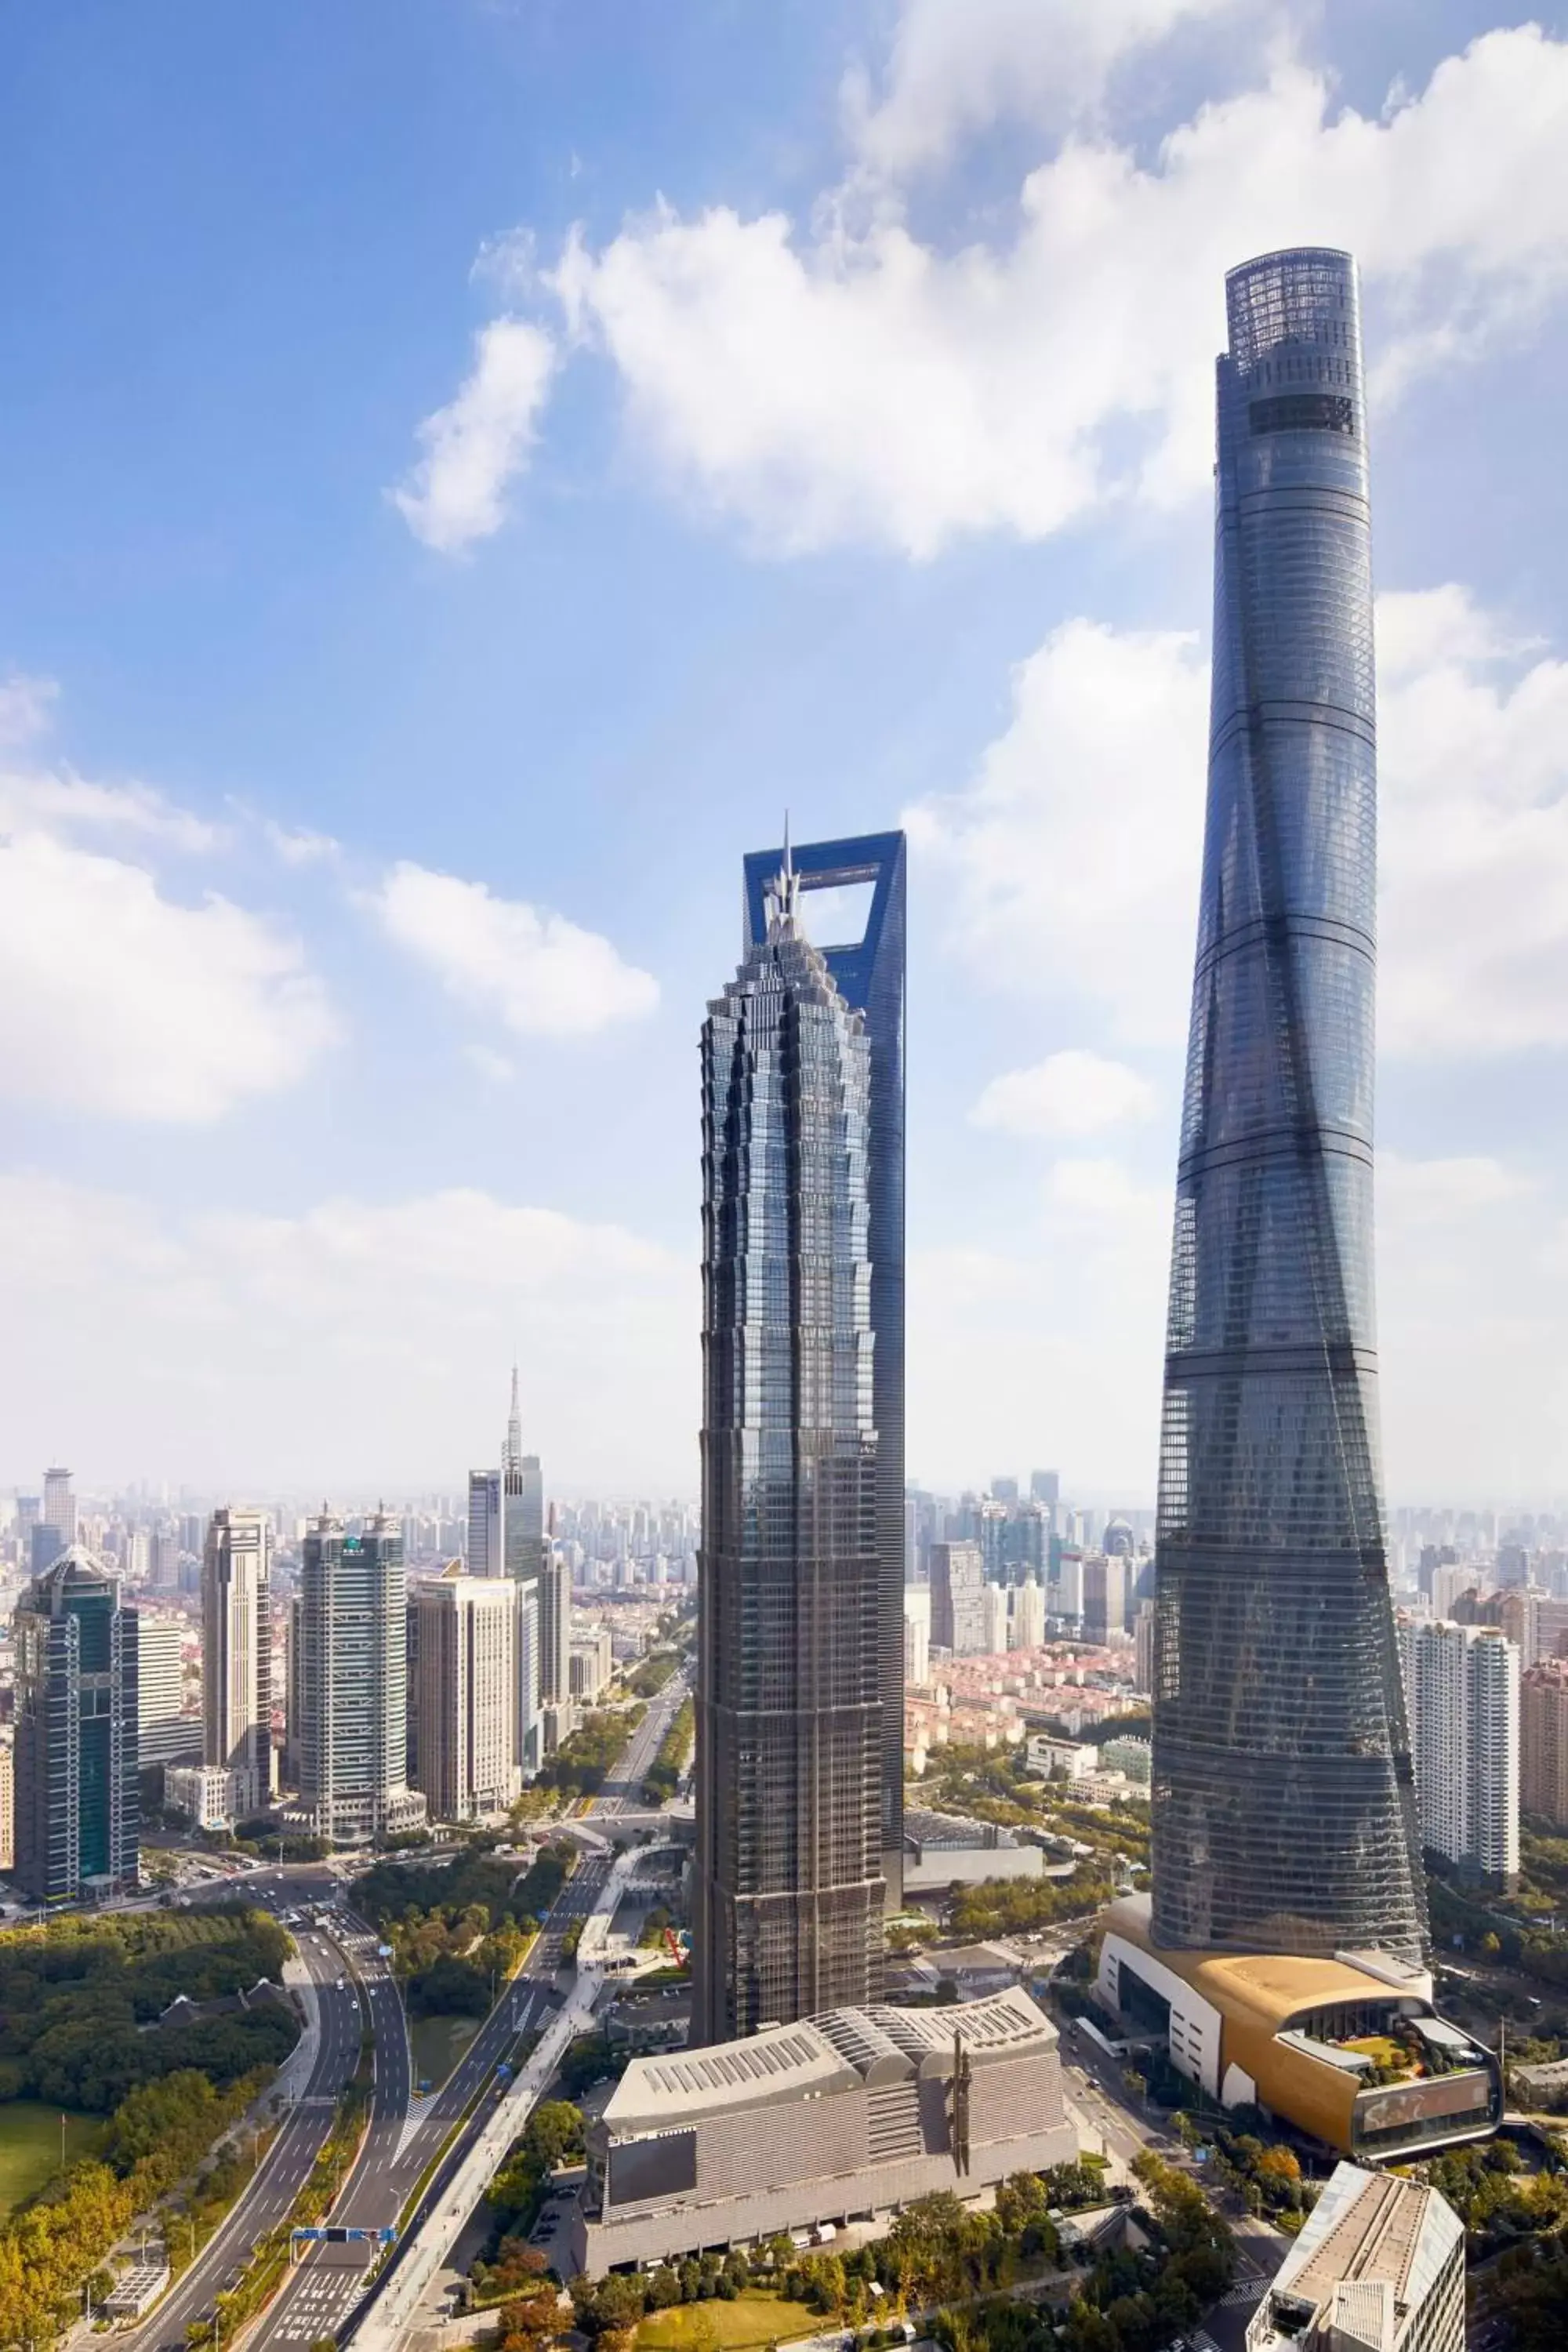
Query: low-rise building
{"x": 1348, "y": 2048}
{"x": 1378, "y": 2267}
{"x": 840, "y": 2117}
{"x": 204, "y": 1794}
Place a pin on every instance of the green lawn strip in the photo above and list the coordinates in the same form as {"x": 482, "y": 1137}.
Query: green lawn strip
{"x": 756, "y": 2318}
{"x": 31, "y": 2147}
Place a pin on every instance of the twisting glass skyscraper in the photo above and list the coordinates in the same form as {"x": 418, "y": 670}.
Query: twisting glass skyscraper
{"x": 1283, "y": 1807}
{"x": 790, "y": 1890}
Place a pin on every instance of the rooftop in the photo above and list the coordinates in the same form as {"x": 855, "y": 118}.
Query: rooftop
{"x": 839, "y": 2050}
{"x": 1372, "y": 2249}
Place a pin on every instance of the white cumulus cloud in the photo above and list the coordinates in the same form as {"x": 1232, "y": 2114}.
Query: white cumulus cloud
{"x": 541, "y": 974}
{"x": 1072, "y": 1093}
{"x": 476, "y": 445}
{"x": 124, "y": 1003}
{"x": 1070, "y": 862}
{"x": 264, "y": 1354}
{"x": 953, "y": 72}
{"x": 837, "y": 384}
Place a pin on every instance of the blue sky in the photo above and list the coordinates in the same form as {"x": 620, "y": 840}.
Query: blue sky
{"x": 467, "y": 467}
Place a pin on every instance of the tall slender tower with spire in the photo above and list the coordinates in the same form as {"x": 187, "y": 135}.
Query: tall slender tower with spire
{"x": 523, "y": 1522}
{"x": 790, "y": 1889}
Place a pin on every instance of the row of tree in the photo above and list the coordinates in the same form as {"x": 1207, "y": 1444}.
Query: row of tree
{"x": 160, "y": 2132}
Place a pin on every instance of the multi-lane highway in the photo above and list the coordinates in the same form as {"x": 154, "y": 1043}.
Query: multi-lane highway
{"x": 287, "y": 2165}
{"x": 325, "y": 2293}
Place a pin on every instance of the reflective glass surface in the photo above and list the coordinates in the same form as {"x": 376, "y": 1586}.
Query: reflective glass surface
{"x": 1284, "y": 1812}
{"x": 790, "y": 1890}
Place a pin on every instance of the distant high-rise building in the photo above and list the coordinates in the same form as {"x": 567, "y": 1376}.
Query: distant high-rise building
{"x": 237, "y": 1654}
{"x": 1462, "y": 1698}
{"x": 1104, "y": 1595}
{"x": 1283, "y": 1798}
{"x": 958, "y": 1598}
{"x": 916, "y": 1635}
{"x": 1144, "y": 1648}
{"x": 166, "y": 1731}
{"x": 462, "y": 1694}
{"x": 864, "y": 953}
{"x": 792, "y": 1674}
{"x": 1004, "y": 1490}
{"x": 59, "y": 1506}
{"x": 993, "y": 1623}
{"x": 555, "y": 1630}
{"x": 1543, "y": 1742}
{"x": 78, "y": 1810}
{"x": 524, "y": 1550}
{"x": 1029, "y": 1614}
{"x": 45, "y": 1545}
{"x": 163, "y": 1558}
{"x": 522, "y": 1497}
{"x": 487, "y": 1545}
{"x": 7, "y": 1801}
{"x": 1046, "y": 1487}
{"x": 351, "y": 1683}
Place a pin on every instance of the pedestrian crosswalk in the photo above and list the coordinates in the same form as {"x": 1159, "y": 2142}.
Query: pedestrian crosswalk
{"x": 1247, "y": 2290}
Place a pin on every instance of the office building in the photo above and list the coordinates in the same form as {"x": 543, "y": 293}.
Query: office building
{"x": 1461, "y": 1696}
{"x": 1348, "y": 2048}
{"x": 166, "y": 1731}
{"x": 958, "y": 1598}
{"x": 350, "y": 1683}
{"x": 7, "y": 1799}
{"x": 1029, "y": 1614}
{"x": 1284, "y": 1797}
{"x": 789, "y": 1890}
{"x": 59, "y": 1506}
{"x": 916, "y": 1635}
{"x": 1543, "y": 1743}
{"x": 528, "y": 1723}
{"x": 1144, "y": 1648}
{"x": 863, "y": 948}
{"x": 486, "y": 1543}
{"x": 205, "y": 1794}
{"x": 1104, "y": 1595}
{"x": 835, "y": 2119}
{"x": 45, "y": 1545}
{"x": 1379, "y": 2266}
{"x": 1046, "y": 1487}
{"x": 237, "y": 1654}
{"x": 592, "y": 1660}
{"x": 522, "y": 1497}
{"x": 78, "y": 1810}
{"x": 994, "y": 1620}
{"x": 461, "y": 1694}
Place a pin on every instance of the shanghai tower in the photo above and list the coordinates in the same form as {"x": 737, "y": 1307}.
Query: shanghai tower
{"x": 1283, "y": 1793}
{"x": 789, "y": 1883}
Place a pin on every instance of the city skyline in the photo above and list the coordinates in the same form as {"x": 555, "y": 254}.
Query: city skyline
{"x": 425, "y": 816}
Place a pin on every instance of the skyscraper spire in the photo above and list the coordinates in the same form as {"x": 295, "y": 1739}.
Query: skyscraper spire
{"x": 511, "y": 1452}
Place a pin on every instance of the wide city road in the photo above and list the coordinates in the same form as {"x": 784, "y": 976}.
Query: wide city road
{"x": 327, "y": 2293}
{"x": 286, "y": 2166}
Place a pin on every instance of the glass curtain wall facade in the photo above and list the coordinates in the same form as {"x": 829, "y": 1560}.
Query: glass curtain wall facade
{"x": 1283, "y": 1794}
{"x": 789, "y": 1888}
{"x": 79, "y": 1819}
{"x": 352, "y": 1682}
{"x": 868, "y": 970}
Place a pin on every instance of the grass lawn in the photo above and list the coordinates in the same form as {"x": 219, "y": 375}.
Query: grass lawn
{"x": 31, "y": 2147}
{"x": 438, "y": 2044}
{"x": 754, "y": 2319}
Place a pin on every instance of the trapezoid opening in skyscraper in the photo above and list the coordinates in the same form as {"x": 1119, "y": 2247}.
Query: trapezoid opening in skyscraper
{"x": 1284, "y": 1809}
